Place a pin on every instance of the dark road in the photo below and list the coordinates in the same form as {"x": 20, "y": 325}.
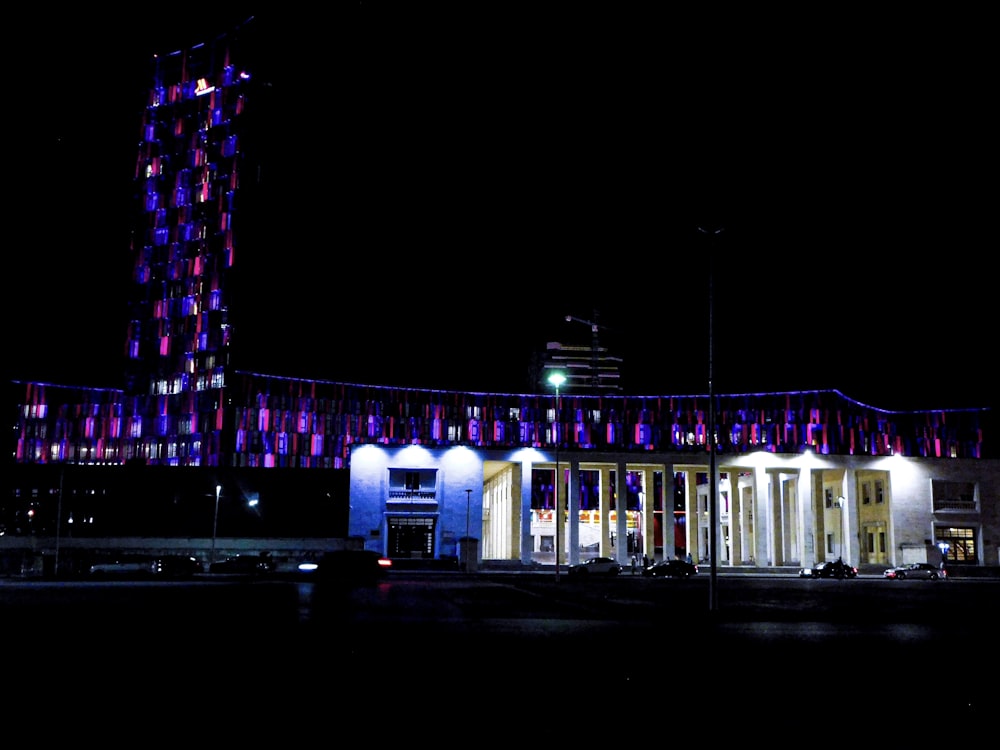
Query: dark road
{"x": 425, "y": 643}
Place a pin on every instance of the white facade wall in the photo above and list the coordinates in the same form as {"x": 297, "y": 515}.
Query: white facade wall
{"x": 784, "y": 521}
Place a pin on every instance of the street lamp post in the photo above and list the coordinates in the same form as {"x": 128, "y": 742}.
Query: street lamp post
{"x": 468, "y": 503}
{"x": 713, "y": 595}
{"x": 215, "y": 522}
{"x": 557, "y": 379}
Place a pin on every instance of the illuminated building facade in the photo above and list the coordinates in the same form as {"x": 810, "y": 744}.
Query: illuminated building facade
{"x": 801, "y": 476}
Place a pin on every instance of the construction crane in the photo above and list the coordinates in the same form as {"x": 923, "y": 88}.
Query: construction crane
{"x": 595, "y": 348}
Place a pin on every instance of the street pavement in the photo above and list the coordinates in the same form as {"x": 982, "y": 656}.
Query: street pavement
{"x": 439, "y": 645}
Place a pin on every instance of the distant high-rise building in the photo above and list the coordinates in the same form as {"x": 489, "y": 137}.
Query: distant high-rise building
{"x": 588, "y": 369}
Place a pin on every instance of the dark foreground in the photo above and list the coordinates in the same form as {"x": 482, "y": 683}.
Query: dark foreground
{"x": 225, "y": 660}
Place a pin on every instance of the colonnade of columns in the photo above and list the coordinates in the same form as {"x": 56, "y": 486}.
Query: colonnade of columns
{"x": 768, "y": 516}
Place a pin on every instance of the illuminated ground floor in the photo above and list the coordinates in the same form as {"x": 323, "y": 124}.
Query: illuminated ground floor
{"x": 415, "y": 502}
{"x": 499, "y": 507}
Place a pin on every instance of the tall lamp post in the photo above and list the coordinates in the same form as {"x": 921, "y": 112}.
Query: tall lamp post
{"x": 557, "y": 379}
{"x": 713, "y": 510}
{"x": 215, "y": 522}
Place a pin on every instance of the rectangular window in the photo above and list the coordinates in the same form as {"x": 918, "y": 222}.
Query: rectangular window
{"x": 829, "y": 543}
{"x": 961, "y": 543}
{"x": 866, "y": 493}
{"x": 828, "y": 497}
{"x": 412, "y": 484}
{"x": 881, "y": 542}
{"x": 953, "y": 495}
{"x": 879, "y": 491}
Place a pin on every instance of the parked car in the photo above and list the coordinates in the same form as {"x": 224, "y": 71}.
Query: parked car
{"x": 352, "y": 566}
{"x": 923, "y": 571}
{"x": 598, "y": 566}
{"x": 122, "y": 566}
{"x": 672, "y": 568}
{"x": 176, "y": 566}
{"x": 243, "y": 565}
{"x": 829, "y": 569}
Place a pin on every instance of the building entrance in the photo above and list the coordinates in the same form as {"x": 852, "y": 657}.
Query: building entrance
{"x": 411, "y": 537}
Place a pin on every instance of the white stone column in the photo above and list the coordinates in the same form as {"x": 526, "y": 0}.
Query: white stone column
{"x": 621, "y": 524}
{"x": 573, "y": 533}
{"x": 522, "y": 485}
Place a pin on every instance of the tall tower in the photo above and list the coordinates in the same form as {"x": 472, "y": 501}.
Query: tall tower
{"x": 191, "y": 177}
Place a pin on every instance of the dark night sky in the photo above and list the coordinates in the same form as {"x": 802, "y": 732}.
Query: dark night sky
{"x": 516, "y": 169}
